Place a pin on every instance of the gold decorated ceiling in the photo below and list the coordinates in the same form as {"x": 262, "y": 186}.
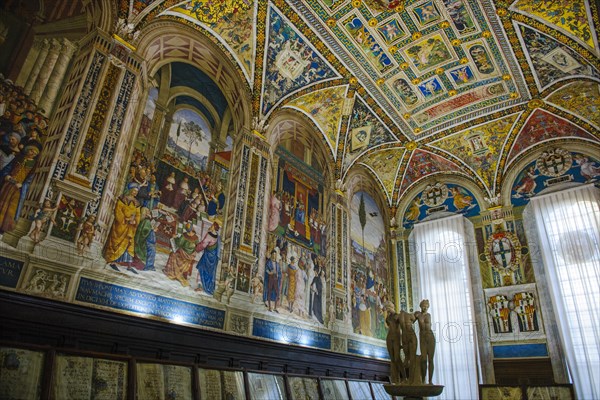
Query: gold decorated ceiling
{"x": 411, "y": 88}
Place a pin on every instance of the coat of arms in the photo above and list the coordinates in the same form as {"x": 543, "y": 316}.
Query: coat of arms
{"x": 554, "y": 162}
{"x": 503, "y": 252}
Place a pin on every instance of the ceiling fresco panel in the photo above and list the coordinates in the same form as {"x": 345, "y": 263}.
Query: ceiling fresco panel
{"x": 423, "y": 163}
{"x": 580, "y": 98}
{"x": 551, "y": 60}
{"x": 571, "y": 17}
{"x": 234, "y": 27}
{"x": 325, "y": 108}
{"x": 365, "y": 131}
{"x": 542, "y": 126}
{"x": 291, "y": 62}
{"x": 480, "y": 147}
{"x": 385, "y": 165}
{"x": 437, "y": 49}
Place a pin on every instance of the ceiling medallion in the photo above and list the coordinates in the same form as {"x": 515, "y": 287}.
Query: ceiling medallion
{"x": 535, "y": 103}
{"x": 410, "y": 146}
{"x": 209, "y": 12}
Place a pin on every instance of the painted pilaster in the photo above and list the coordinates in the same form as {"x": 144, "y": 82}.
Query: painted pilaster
{"x": 248, "y": 182}
{"x": 338, "y": 318}
{"x": 75, "y": 169}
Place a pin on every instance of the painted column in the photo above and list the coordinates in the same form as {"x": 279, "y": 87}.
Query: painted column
{"x": 42, "y": 79}
{"x": 37, "y": 66}
{"x": 57, "y": 76}
{"x": 29, "y": 63}
{"x": 158, "y": 119}
{"x": 164, "y": 129}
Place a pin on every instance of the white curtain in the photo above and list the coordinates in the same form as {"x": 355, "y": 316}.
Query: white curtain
{"x": 440, "y": 271}
{"x": 568, "y": 223}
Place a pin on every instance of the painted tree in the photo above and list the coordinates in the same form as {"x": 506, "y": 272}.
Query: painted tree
{"x": 362, "y": 217}
{"x": 194, "y": 134}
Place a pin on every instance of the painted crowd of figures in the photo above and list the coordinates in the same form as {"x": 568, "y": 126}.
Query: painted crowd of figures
{"x": 288, "y": 216}
{"x": 296, "y": 283}
{"x": 369, "y": 298}
{"x": 22, "y": 130}
{"x": 167, "y": 216}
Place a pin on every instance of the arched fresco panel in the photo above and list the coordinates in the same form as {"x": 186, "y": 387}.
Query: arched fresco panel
{"x": 553, "y": 166}
{"x": 440, "y": 197}
{"x": 370, "y": 275}
{"x": 297, "y": 240}
{"x": 172, "y": 205}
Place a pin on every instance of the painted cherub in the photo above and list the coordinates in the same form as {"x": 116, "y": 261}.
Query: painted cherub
{"x": 43, "y": 214}
{"x": 87, "y": 230}
{"x": 257, "y": 288}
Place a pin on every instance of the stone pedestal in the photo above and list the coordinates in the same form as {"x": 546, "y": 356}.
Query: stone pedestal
{"x": 413, "y": 392}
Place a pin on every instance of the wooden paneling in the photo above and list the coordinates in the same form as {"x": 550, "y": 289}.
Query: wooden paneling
{"x": 34, "y": 321}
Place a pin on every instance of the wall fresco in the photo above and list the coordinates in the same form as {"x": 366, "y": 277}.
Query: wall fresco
{"x": 553, "y": 166}
{"x": 167, "y": 221}
{"x": 370, "y": 275}
{"x": 295, "y": 278}
{"x": 22, "y": 132}
{"x": 440, "y": 197}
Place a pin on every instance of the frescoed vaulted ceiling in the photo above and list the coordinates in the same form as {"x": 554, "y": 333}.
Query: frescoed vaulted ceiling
{"x": 407, "y": 89}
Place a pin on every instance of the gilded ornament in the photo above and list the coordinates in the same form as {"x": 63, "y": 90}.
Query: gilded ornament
{"x": 372, "y": 22}
{"x": 380, "y": 81}
{"x": 506, "y": 77}
{"x": 452, "y": 92}
{"x": 416, "y": 35}
{"x": 416, "y": 81}
{"x": 501, "y": 12}
{"x": 486, "y": 34}
{"x": 464, "y": 60}
{"x": 410, "y": 146}
{"x": 404, "y": 65}
{"x": 353, "y": 81}
{"x": 399, "y": 8}
{"x": 444, "y": 24}
{"x": 356, "y": 3}
{"x": 439, "y": 71}
{"x": 535, "y": 103}
{"x": 406, "y": 116}
{"x": 211, "y": 12}
{"x": 513, "y": 95}
{"x": 418, "y": 130}
{"x": 393, "y": 49}
{"x": 331, "y": 22}
{"x": 456, "y": 42}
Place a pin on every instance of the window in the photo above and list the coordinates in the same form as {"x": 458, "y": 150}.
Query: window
{"x": 441, "y": 274}
{"x": 568, "y": 224}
